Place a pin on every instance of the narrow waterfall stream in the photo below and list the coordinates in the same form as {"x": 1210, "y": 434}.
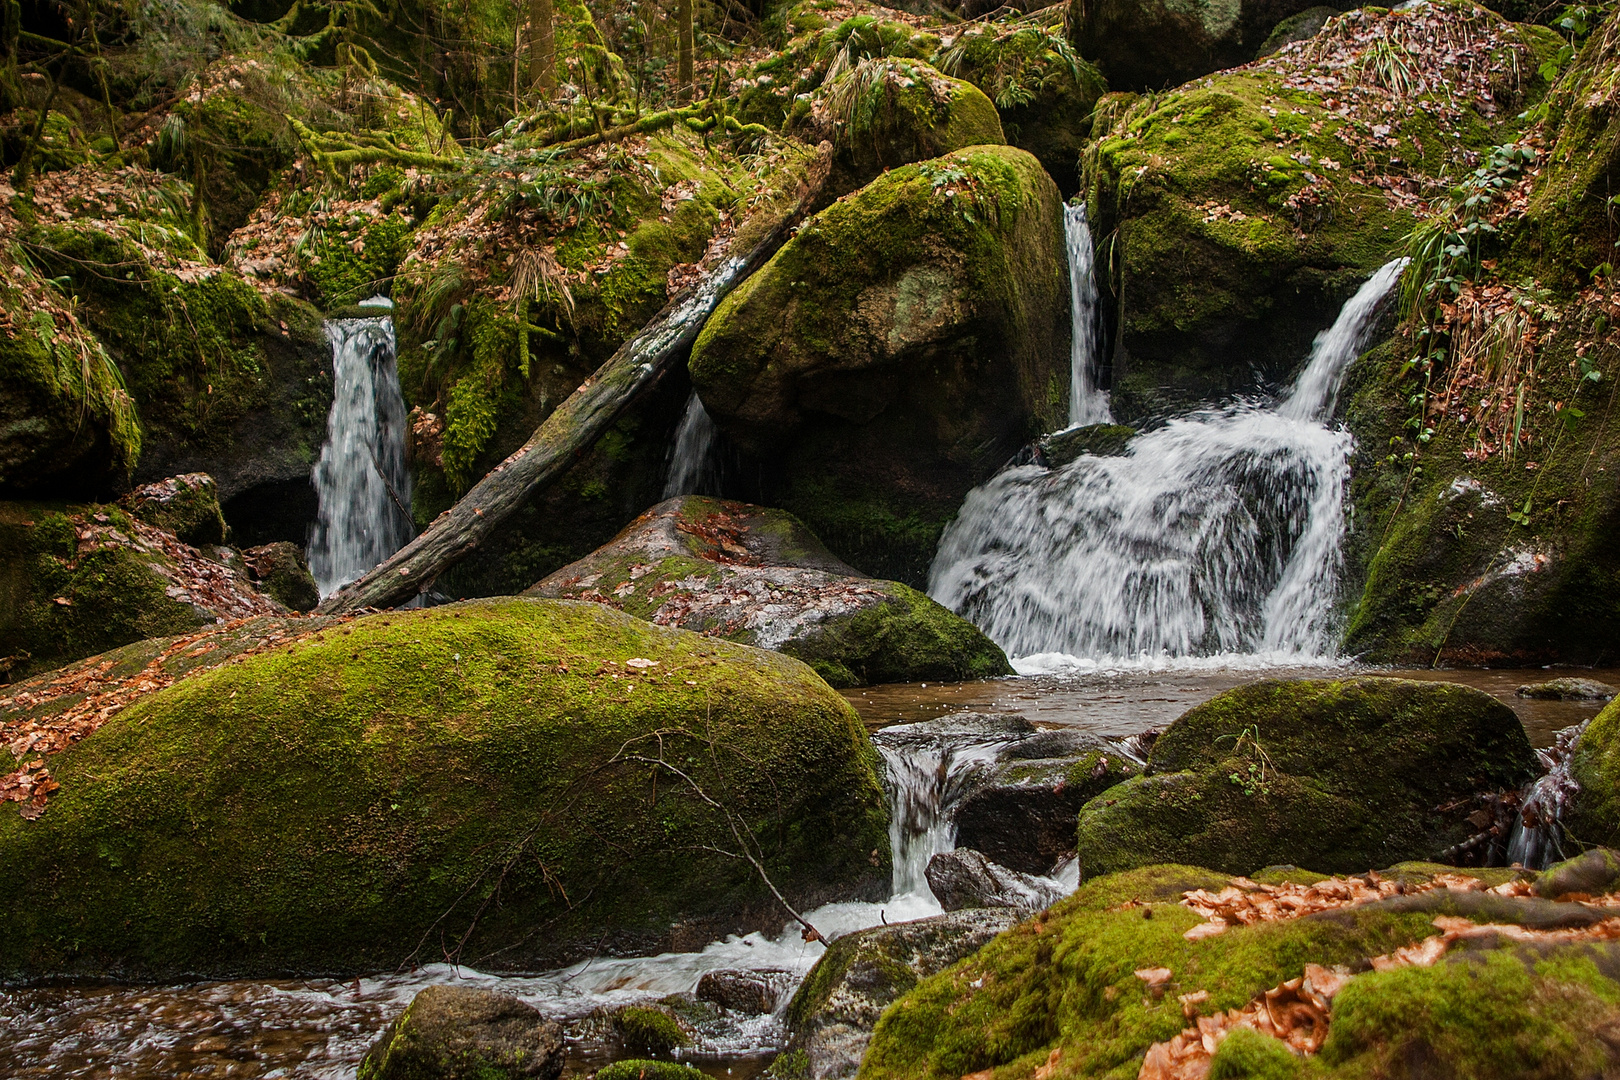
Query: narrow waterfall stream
{"x": 321, "y": 1028}
{"x": 1217, "y": 533}
{"x": 1087, "y": 404}
{"x": 361, "y": 479}
{"x": 692, "y": 466}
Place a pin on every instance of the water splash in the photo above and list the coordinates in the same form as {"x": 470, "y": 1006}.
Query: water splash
{"x": 1087, "y": 404}
{"x": 693, "y": 469}
{"x": 361, "y": 480}
{"x": 1217, "y": 533}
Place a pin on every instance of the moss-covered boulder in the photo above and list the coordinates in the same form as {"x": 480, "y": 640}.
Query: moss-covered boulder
{"x": 1334, "y": 775}
{"x": 67, "y": 424}
{"x": 1087, "y": 990}
{"x": 759, "y": 577}
{"x": 1246, "y": 207}
{"x": 831, "y": 1017}
{"x": 330, "y": 805}
{"x": 888, "y": 112}
{"x": 1043, "y": 90}
{"x": 79, "y": 580}
{"x": 897, "y": 351}
{"x": 452, "y": 1032}
{"x": 281, "y": 571}
{"x": 1593, "y": 814}
{"x": 186, "y": 505}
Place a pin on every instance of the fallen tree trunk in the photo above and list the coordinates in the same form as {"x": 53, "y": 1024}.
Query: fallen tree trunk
{"x": 573, "y": 428}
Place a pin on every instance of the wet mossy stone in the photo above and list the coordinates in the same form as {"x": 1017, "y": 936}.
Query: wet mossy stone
{"x": 1335, "y": 775}
{"x": 649, "y": 1029}
{"x": 896, "y": 352}
{"x": 281, "y": 570}
{"x": 645, "y": 1069}
{"x": 1592, "y": 873}
{"x": 186, "y": 505}
{"x": 1568, "y": 689}
{"x": 1103, "y": 440}
{"x": 757, "y": 576}
{"x": 1593, "y": 815}
{"x": 1067, "y": 982}
{"x": 324, "y": 806}
{"x": 888, "y": 112}
{"x": 1301, "y": 27}
{"x": 467, "y": 1033}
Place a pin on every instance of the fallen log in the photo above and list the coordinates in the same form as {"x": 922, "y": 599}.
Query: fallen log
{"x": 573, "y": 428}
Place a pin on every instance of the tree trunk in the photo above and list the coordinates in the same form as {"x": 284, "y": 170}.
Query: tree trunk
{"x": 570, "y": 431}
{"x": 683, "y": 30}
{"x": 543, "y": 45}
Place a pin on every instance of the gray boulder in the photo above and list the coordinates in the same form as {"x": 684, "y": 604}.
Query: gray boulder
{"x": 746, "y": 991}
{"x": 465, "y": 1033}
{"x": 1568, "y": 689}
{"x": 964, "y": 878}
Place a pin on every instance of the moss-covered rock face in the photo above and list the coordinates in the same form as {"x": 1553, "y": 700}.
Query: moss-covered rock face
{"x": 1243, "y": 209}
{"x": 79, "y": 580}
{"x": 466, "y": 1033}
{"x": 759, "y": 577}
{"x": 324, "y": 806}
{"x": 1043, "y": 90}
{"x": 1336, "y": 776}
{"x": 1069, "y": 992}
{"x": 890, "y": 112}
{"x": 897, "y": 351}
{"x": 1593, "y": 816}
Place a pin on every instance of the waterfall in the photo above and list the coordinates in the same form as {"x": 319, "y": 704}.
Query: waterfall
{"x": 1217, "y": 533}
{"x": 1087, "y": 404}
{"x": 692, "y": 466}
{"x": 361, "y": 479}
{"x": 1537, "y": 838}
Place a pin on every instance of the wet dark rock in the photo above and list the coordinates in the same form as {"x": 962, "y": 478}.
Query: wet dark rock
{"x": 186, "y": 505}
{"x": 1334, "y": 775}
{"x": 1023, "y": 814}
{"x": 281, "y": 570}
{"x": 746, "y": 991}
{"x": 831, "y": 1017}
{"x": 465, "y": 1033}
{"x": 964, "y": 878}
{"x": 650, "y": 1028}
{"x": 758, "y": 576}
{"x": 1301, "y": 27}
{"x": 1102, "y": 440}
{"x": 1568, "y": 689}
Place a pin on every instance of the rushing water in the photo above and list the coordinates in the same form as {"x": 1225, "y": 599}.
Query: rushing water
{"x": 361, "y": 479}
{"x": 1217, "y": 533}
{"x": 1087, "y": 404}
{"x": 693, "y": 469}
{"x": 321, "y": 1028}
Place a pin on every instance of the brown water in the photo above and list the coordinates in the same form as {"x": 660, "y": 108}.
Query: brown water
{"x": 1130, "y": 701}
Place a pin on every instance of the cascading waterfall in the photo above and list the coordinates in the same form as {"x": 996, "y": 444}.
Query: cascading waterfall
{"x": 361, "y": 479}
{"x": 1537, "y": 839}
{"x": 1217, "y": 533}
{"x": 1087, "y": 404}
{"x": 692, "y": 467}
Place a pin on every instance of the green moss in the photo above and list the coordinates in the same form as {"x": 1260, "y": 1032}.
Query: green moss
{"x": 1334, "y": 775}
{"x": 1246, "y": 1054}
{"x": 641, "y": 1069}
{"x": 908, "y": 638}
{"x": 649, "y": 1029}
{"x": 476, "y": 744}
{"x": 346, "y": 266}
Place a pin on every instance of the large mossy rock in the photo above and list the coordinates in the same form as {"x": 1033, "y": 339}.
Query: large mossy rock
{"x": 466, "y": 1033}
{"x": 897, "y": 351}
{"x": 1069, "y": 994}
{"x": 1593, "y": 814}
{"x": 1334, "y": 775}
{"x": 888, "y": 112}
{"x": 80, "y": 580}
{"x": 759, "y": 577}
{"x": 483, "y": 774}
{"x": 1244, "y": 208}
{"x": 67, "y": 425}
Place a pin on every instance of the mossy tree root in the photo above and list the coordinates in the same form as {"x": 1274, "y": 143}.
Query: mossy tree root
{"x": 332, "y": 152}
{"x": 571, "y": 430}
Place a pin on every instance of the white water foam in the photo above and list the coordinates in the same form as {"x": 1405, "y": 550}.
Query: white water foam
{"x": 1213, "y": 536}
{"x": 361, "y": 480}
{"x": 1087, "y": 404}
{"x": 692, "y": 466}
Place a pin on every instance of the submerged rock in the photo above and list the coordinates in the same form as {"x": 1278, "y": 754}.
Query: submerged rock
{"x": 964, "y": 878}
{"x": 322, "y": 806}
{"x": 758, "y": 576}
{"x": 897, "y": 351}
{"x": 1334, "y": 775}
{"x": 1107, "y": 984}
{"x": 466, "y": 1033}
{"x": 831, "y": 1017}
{"x": 1568, "y": 689}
